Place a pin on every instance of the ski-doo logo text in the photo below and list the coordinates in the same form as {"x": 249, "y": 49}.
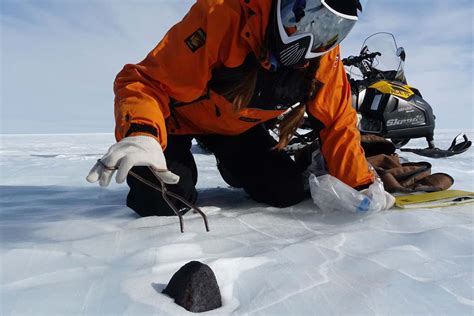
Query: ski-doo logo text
{"x": 417, "y": 120}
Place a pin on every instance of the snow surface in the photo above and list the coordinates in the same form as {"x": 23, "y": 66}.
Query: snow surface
{"x": 69, "y": 247}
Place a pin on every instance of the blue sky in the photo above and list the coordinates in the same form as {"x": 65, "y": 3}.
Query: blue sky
{"x": 59, "y": 57}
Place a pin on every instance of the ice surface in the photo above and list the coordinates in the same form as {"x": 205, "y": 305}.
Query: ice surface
{"x": 70, "y": 247}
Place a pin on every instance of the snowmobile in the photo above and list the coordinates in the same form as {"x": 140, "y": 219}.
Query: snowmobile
{"x": 386, "y": 105}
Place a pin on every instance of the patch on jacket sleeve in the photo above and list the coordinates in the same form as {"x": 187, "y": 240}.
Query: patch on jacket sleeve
{"x": 196, "y": 40}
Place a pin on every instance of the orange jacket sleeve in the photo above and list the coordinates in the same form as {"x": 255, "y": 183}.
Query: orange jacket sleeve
{"x": 179, "y": 67}
{"x": 340, "y": 137}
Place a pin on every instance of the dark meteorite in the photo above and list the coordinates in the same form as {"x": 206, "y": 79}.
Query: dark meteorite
{"x": 194, "y": 287}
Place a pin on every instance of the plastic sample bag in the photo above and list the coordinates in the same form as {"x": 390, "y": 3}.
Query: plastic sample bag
{"x": 331, "y": 194}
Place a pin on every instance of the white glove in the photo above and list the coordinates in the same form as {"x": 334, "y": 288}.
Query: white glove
{"x": 376, "y": 192}
{"x": 389, "y": 200}
{"x": 378, "y": 195}
{"x": 127, "y": 153}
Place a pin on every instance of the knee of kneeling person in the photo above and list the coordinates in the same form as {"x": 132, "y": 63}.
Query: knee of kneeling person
{"x": 280, "y": 197}
{"x": 287, "y": 200}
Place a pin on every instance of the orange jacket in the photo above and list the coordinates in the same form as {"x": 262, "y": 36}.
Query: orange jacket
{"x": 217, "y": 33}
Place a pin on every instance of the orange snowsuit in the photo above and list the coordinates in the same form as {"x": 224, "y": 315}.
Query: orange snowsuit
{"x": 221, "y": 33}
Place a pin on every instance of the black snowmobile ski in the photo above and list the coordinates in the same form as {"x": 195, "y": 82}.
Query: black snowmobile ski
{"x": 455, "y": 149}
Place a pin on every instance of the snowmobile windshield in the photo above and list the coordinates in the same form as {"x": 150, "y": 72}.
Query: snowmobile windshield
{"x": 391, "y": 60}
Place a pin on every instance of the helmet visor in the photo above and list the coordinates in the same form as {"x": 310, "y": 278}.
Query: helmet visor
{"x": 323, "y": 24}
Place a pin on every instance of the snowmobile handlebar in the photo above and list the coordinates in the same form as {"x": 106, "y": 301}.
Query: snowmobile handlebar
{"x": 354, "y": 60}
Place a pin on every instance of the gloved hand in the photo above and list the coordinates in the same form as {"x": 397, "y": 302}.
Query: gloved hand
{"x": 389, "y": 200}
{"x": 127, "y": 153}
{"x": 377, "y": 194}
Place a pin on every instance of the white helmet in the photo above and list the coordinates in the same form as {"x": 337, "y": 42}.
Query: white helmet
{"x": 305, "y": 29}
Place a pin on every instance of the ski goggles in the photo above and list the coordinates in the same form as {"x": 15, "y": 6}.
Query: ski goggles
{"x": 309, "y": 29}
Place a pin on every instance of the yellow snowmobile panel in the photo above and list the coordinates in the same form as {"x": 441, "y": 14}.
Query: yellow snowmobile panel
{"x": 398, "y": 90}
